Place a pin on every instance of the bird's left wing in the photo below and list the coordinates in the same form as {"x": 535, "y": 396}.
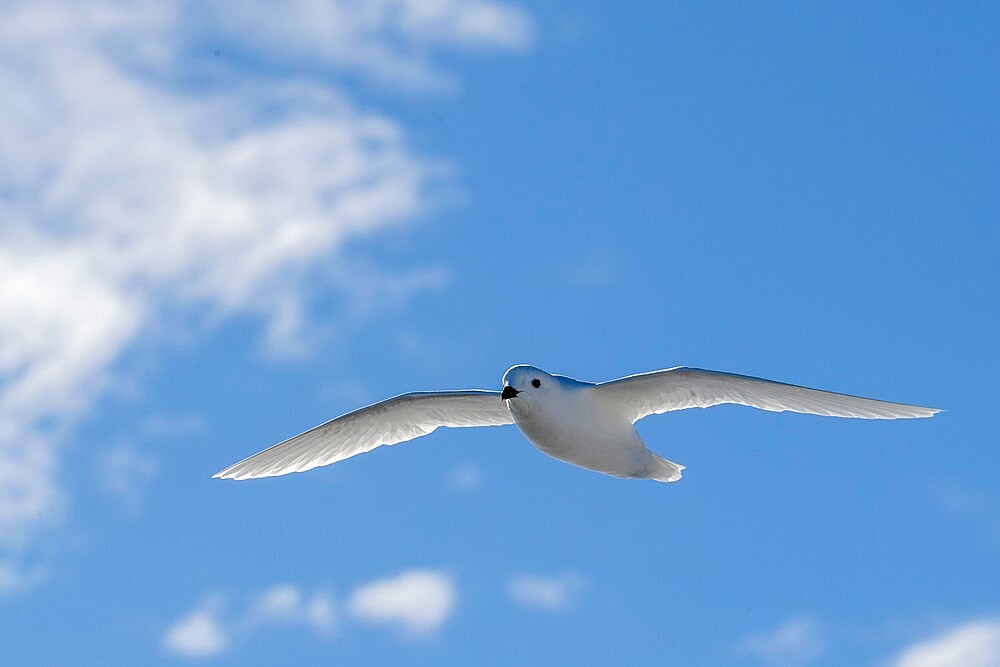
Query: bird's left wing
{"x": 389, "y": 422}
{"x": 679, "y": 388}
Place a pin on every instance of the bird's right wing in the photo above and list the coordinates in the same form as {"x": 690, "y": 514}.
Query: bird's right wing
{"x": 679, "y": 388}
{"x": 392, "y": 421}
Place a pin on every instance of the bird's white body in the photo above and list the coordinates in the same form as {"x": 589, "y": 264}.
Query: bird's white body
{"x": 567, "y": 420}
{"x": 587, "y": 424}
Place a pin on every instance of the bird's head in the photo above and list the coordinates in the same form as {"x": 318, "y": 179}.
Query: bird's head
{"x": 526, "y": 384}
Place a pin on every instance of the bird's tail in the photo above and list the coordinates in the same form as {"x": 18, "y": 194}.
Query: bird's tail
{"x": 662, "y": 470}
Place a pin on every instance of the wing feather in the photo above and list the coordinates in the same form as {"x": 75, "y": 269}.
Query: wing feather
{"x": 681, "y": 388}
{"x": 389, "y": 422}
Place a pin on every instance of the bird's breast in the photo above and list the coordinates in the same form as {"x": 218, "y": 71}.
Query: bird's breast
{"x": 571, "y": 428}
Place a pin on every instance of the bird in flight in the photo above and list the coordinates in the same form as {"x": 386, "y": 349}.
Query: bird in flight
{"x": 587, "y": 424}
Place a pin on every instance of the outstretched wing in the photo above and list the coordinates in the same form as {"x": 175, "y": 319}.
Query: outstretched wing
{"x": 392, "y": 421}
{"x": 679, "y": 388}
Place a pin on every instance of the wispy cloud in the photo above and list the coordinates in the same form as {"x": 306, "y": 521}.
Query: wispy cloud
{"x": 385, "y": 40}
{"x": 131, "y": 193}
{"x": 554, "y": 593}
{"x": 797, "y": 641}
{"x": 214, "y": 625}
{"x": 466, "y": 477}
{"x": 969, "y": 503}
{"x": 416, "y": 602}
{"x": 596, "y": 268}
{"x": 287, "y": 604}
{"x": 972, "y": 644}
{"x": 14, "y": 578}
{"x": 125, "y": 473}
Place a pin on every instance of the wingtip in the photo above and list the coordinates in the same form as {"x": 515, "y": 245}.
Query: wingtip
{"x": 230, "y": 473}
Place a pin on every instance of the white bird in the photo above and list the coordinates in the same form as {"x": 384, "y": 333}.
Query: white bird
{"x": 587, "y": 424}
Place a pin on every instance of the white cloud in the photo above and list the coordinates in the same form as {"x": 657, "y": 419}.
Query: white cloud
{"x": 797, "y": 641}
{"x": 288, "y": 604}
{"x": 321, "y": 614}
{"x": 416, "y": 602}
{"x": 14, "y": 578}
{"x": 125, "y": 473}
{"x": 29, "y": 497}
{"x": 552, "y": 594}
{"x": 199, "y": 634}
{"x": 281, "y": 603}
{"x": 213, "y": 626}
{"x": 973, "y": 644}
{"x": 133, "y": 194}
{"x": 386, "y": 40}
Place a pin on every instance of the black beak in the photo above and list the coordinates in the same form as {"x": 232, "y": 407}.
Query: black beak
{"x": 508, "y": 392}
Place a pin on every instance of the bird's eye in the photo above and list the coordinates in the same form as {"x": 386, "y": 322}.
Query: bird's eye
{"x": 536, "y": 383}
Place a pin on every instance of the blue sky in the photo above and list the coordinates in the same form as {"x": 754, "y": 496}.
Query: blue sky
{"x": 220, "y": 226}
